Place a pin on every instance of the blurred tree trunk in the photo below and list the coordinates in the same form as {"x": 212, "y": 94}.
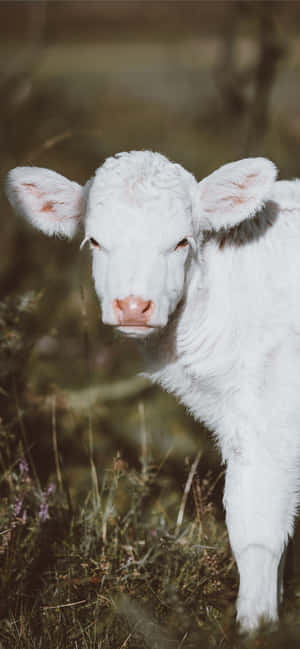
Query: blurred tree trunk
{"x": 271, "y": 52}
{"x": 16, "y": 76}
{"x": 228, "y": 76}
{"x": 246, "y": 91}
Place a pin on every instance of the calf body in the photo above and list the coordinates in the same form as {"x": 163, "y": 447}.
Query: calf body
{"x": 236, "y": 365}
{"x": 207, "y": 275}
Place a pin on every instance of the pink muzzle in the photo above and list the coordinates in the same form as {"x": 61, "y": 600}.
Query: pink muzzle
{"x": 133, "y": 311}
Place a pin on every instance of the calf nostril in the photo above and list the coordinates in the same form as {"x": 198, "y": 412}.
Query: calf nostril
{"x": 133, "y": 310}
{"x": 147, "y": 307}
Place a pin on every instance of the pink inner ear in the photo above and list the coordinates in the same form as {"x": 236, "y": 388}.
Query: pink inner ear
{"x": 51, "y": 207}
{"x": 226, "y": 202}
{"x": 48, "y": 207}
{"x": 243, "y": 186}
{"x": 32, "y": 189}
{"x": 247, "y": 181}
{"x": 238, "y": 198}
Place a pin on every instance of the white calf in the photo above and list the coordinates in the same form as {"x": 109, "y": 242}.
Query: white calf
{"x": 208, "y": 276}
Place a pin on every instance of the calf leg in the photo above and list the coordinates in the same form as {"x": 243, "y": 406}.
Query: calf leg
{"x": 281, "y": 569}
{"x": 260, "y": 500}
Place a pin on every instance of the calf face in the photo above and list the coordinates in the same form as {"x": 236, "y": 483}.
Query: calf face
{"x": 139, "y": 224}
{"x": 144, "y": 218}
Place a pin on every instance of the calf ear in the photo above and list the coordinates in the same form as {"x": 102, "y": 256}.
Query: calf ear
{"x": 51, "y": 202}
{"x": 234, "y": 193}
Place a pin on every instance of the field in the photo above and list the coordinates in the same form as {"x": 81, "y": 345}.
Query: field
{"x": 112, "y": 531}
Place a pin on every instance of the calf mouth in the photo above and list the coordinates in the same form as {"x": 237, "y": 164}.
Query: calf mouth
{"x": 136, "y": 331}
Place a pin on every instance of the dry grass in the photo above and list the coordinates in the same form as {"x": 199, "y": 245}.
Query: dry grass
{"x": 136, "y": 559}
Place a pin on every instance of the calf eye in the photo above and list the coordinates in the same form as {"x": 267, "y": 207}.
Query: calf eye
{"x": 94, "y": 243}
{"x": 182, "y": 244}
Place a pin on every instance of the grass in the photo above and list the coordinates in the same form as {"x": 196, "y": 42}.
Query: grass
{"x": 136, "y": 559}
{"x": 120, "y": 563}
{"x": 113, "y": 570}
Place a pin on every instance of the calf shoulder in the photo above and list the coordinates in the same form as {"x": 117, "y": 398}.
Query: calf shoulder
{"x": 241, "y": 309}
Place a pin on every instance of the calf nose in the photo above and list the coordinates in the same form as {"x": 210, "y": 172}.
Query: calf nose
{"x": 133, "y": 310}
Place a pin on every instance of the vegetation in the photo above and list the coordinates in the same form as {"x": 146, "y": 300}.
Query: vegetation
{"x": 134, "y": 559}
{"x": 121, "y": 565}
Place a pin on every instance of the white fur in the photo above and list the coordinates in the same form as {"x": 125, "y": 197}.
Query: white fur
{"x": 235, "y": 192}
{"x": 225, "y": 328}
{"x": 51, "y": 202}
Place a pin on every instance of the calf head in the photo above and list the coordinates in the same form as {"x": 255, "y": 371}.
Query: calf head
{"x": 143, "y": 217}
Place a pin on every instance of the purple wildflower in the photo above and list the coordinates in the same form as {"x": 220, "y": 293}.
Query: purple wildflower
{"x": 44, "y": 512}
{"x": 44, "y": 507}
{"x": 23, "y": 466}
{"x": 49, "y": 489}
{"x": 18, "y": 506}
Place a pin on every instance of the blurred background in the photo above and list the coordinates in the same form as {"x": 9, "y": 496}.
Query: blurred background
{"x": 203, "y": 83}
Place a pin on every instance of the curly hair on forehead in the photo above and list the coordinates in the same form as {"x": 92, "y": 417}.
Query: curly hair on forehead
{"x": 143, "y": 174}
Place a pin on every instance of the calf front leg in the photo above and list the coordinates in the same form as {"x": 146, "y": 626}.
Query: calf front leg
{"x": 259, "y": 500}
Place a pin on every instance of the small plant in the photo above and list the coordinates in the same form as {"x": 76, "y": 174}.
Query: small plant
{"x": 17, "y": 334}
{"x": 24, "y": 504}
{"x": 23, "y": 510}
